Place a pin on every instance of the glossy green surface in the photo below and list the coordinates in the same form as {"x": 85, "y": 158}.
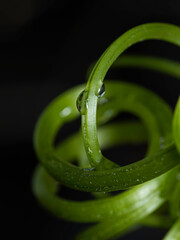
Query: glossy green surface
{"x": 150, "y": 182}
{"x": 174, "y": 233}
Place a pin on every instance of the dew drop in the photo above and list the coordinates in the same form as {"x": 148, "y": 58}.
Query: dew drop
{"x": 101, "y": 91}
{"x": 79, "y": 101}
{"x": 89, "y": 150}
{"x": 65, "y": 112}
{"x": 82, "y": 102}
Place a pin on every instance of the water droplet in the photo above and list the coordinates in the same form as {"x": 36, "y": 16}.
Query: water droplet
{"x": 101, "y": 91}
{"x": 65, "y": 112}
{"x": 79, "y": 101}
{"x": 82, "y": 102}
{"x": 89, "y": 150}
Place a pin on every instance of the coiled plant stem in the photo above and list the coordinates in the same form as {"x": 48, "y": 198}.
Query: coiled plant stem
{"x": 150, "y": 181}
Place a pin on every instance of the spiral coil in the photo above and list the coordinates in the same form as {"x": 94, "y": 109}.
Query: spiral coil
{"x": 149, "y": 182}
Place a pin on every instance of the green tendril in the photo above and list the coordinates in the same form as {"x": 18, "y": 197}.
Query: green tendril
{"x": 150, "y": 183}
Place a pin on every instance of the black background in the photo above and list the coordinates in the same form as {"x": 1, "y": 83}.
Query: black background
{"x": 46, "y": 47}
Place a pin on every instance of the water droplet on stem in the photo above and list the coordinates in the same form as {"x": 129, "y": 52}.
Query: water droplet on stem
{"x": 79, "y": 101}
{"x": 101, "y": 91}
{"x": 82, "y": 102}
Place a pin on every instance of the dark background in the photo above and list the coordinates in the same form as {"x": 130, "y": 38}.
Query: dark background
{"x": 46, "y": 47}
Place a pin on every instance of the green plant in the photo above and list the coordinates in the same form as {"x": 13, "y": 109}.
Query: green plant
{"x": 150, "y": 182}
